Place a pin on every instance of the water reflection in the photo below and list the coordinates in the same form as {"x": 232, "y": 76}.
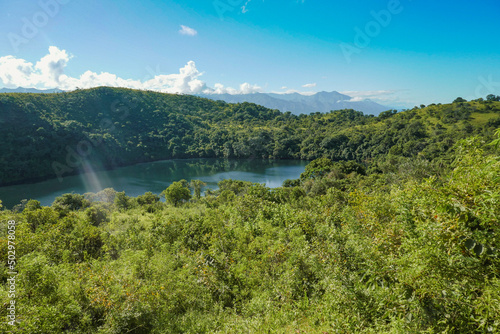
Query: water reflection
{"x": 156, "y": 176}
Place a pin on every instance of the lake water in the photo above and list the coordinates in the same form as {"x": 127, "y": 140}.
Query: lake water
{"x": 156, "y": 176}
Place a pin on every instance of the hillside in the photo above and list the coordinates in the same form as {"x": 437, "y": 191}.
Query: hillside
{"x": 54, "y": 135}
{"x": 392, "y": 228}
{"x": 341, "y": 250}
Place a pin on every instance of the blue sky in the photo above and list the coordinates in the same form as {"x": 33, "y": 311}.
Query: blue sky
{"x": 398, "y": 53}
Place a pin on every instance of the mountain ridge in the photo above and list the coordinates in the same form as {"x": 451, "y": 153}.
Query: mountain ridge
{"x": 298, "y": 103}
{"x": 54, "y": 135}
{"x": 30, "y": 90}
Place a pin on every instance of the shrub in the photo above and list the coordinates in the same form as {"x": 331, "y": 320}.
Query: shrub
{"x": 147, "y": 198}
{"x": 176, "y": 193}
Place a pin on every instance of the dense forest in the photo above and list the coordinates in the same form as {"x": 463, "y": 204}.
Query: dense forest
{"x": 392, "y": 228}
{"x": 55, "y": 135}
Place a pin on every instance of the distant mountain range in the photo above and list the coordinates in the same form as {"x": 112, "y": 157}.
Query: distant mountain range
{"x": 294, "y": 102}
{"x": 29, "y": 90}
{"x": 303, "y": 104}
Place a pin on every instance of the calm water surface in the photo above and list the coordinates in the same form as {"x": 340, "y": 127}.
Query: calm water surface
{"x": 156, "y": 176}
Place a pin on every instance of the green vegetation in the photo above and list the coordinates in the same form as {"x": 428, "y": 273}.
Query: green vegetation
{"x": 392, "y": 228}
{"x": 343, "y": 250}
{"x": 55, "y": 135}
{"x": 178, "y": 192}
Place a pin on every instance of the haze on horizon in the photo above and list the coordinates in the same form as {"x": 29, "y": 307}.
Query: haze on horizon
{"x": 398, "y": 53}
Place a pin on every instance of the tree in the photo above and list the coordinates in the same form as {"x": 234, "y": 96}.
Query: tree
{"x": 122, "y": 201}
{"x": 317, "y": 168}
{"x": 197, "y": 185}
{"x": 176, "y": 193}
{"x": 97, "y": 214}
{"x": 459, "y": 99}
{"x": 69, "y": 202}
{"x": 492, "y": 97}
{"x": 147, "y": 198}
{"x": 288, "y": 183}
{"x": 32, "y": 205}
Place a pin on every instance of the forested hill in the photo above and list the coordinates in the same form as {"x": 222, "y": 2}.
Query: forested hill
{"x": 55, "y": 135}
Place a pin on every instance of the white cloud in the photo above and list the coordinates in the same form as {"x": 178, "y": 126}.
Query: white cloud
{"x": 309, "y": 85}
{"x": 245, "y": 88}
{"x": 377, "y": 95}
{"x": 291, "y": 91}
{"x": 244, "y": 8}
{"x": 393, "y": 98}
{"x": 49, "y": 73}
{"x": 185, "y": 30}
{"x": 356, "y": 99}
{"x": 186, "y": 81}
{"x": 16, "y": 72}
{"x": 51, "y": 67}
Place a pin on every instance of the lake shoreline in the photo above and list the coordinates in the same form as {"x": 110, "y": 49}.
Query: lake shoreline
{"x": 151, "y": 176}
{"x": 79, "y": 171}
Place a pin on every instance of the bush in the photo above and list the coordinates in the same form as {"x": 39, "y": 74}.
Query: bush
{"x": 291, "y": 183}
{"x": 176, "y": 193}
{"x": 97, "y": 214}
{"x": 122, "y": 201}
{"x": 69, "y": 202}
{"x": 148, "y": 198}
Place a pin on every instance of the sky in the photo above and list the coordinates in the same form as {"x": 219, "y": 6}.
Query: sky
{"x": 399, "y": 53}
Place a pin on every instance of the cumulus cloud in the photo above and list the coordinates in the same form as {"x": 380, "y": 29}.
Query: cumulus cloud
{"x": 245, "y": 88}
{"x": 52, "y": 65}
{"x": 15, "y": 72}
{"x": 48, "y": 73}
{"x": 309, "y": 85}
{"x": 187, "y": 31}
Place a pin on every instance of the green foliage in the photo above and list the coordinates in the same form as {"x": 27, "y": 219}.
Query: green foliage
{"x": 387, "y": 114}
{"x": 393, "y": 230}
{"x": 176, "y": 193}
{"x": 69, "y": 133}
{"x": 496, "y": 142}
{"x": 106, "y": 195}
{"x": 148, "y": 198}
{"x": 291, "y": 183}
{"x": 459, "y": 100}
{"x": 387, "y": 251}
{"x": 317, "y": 168}
{"x": 41, "y": 216}
{"x": 492, "y": 97}
{"x": 97, "y": 214}
{"x": 235, "y": 186}
{"x": 69, "y": 202}
{"x": 197, "y": 185}
{"x": 122, "y": 201}
{"x": 32, "y": 205}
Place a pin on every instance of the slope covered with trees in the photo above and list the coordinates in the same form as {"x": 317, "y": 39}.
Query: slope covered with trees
{"x": 392, "y": 228}
{"x": 54, "y": 135}
{"x": 341, "y": 250}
